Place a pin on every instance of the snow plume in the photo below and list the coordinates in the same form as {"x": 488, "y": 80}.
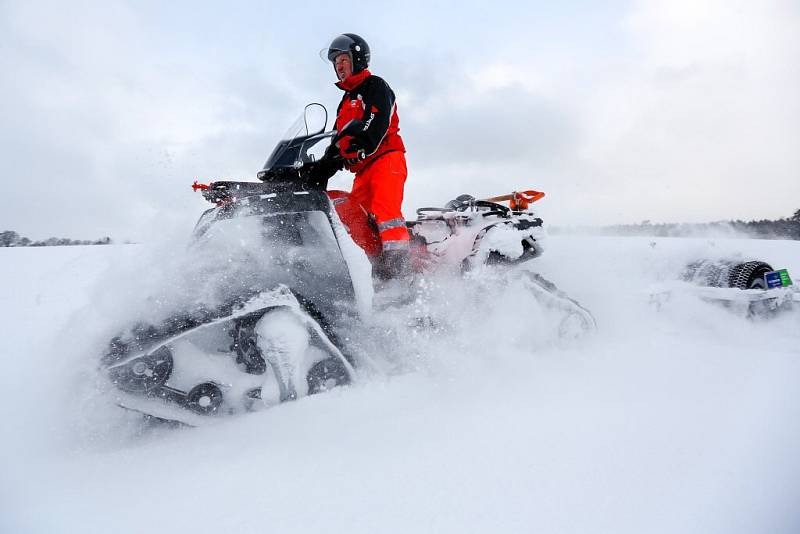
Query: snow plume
{"x": 437, "y": 329}
{"x": 174, "y": 276}
{"x": 234, "y": 259}
{"x": 720, "y": 230}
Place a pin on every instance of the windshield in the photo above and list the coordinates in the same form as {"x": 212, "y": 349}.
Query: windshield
{"x": 292, "y": 151}
{"x": 312, "y": 121}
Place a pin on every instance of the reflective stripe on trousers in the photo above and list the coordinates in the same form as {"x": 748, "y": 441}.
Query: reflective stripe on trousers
{"x": 393, "y": 223}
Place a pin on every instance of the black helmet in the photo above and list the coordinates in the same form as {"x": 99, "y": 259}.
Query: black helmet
{"x": 350, "y": 43}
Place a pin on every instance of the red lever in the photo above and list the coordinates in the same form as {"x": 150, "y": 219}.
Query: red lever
{"x": 521, "y": 200}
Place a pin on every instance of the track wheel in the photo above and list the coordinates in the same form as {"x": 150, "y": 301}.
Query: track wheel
{"x": 204, "y": 398}
{"x": 749, "y": 275}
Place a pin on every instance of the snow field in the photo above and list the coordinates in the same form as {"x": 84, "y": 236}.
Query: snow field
{"x": 678, "y": 418}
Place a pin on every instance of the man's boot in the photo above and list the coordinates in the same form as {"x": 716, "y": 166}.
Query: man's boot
{"x": 393, "y": 279}
{"x": 393, "y": 265}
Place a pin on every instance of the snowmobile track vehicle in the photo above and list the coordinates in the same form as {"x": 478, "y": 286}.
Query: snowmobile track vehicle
{"x": 282, "y": 327}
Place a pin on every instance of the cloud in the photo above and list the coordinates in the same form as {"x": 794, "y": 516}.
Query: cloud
{"x": 629, "y": 112}
{"x": 102, "y": 128}
{"x": 705, "y": 117}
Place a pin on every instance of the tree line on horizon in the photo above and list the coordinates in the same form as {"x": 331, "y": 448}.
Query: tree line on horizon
{"x": 10, "y": 238}
{"x": 784, "y": 228}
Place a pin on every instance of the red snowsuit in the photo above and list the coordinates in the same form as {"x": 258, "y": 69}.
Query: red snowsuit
{"x": 375, "y": 153}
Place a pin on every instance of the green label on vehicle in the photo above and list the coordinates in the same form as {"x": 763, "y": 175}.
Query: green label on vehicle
{"x": 778, "y": 279}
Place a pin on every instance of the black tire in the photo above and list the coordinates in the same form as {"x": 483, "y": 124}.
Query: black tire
{"x": 727, "y": 273}
{"x": 748, "y": 275}
{"x": 327, "y": 374}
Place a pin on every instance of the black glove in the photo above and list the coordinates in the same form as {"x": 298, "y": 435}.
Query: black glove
{"x": 330, "y": 163}
{"x": 327, "y": 168}
{"x": 332, "y": 152}
{"x": 355, "y": 130}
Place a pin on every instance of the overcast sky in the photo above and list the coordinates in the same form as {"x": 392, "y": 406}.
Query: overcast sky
{"x": 680, "y": 110}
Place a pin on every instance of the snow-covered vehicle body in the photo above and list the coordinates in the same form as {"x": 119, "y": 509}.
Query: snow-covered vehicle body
{"x": 470, "y": 232}
{"x": 289, "y": 319}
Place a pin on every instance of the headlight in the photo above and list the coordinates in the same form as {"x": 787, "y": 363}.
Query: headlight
{"x": 145, "y": 373}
